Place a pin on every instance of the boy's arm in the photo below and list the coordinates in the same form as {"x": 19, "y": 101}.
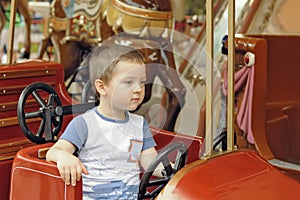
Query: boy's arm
{"x": 69, "y": 166}
{"x": 147, "y": 157}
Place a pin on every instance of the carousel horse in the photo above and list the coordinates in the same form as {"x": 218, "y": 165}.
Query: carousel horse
{"x": 22, "y": 7}
{"x": 75, "y": 27}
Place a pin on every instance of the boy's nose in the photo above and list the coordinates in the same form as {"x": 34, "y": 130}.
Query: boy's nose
{"x": 138, "y": 88}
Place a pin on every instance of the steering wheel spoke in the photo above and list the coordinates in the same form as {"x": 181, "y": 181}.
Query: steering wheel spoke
{"x": 38, "y": 98}
{"x": 167, "y": 166}
{"x": 156, "y": 191}
{"x": 180, "y": 160}
{"x": 158, "y": 181}
{"x": 34, "y": 114}
{"x": 51, "y": 100}
{"x": 41, "y": 129}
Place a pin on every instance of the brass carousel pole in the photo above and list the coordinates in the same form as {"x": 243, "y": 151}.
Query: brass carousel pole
{"x": 231, "y": 70}
{"x": 13, "y": 9}
{"x": 209, "y": 77}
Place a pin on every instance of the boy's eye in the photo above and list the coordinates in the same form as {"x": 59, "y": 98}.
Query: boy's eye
{"x": 143, "y": 82}
{"x": 128, "y": 82}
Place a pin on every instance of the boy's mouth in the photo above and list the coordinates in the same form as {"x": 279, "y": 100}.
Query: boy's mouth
{"x": 135, "y": 99}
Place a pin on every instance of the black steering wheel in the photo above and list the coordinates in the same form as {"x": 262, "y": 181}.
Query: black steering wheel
{"x": 50, "y": 113}
{"x": 168, "y": 171}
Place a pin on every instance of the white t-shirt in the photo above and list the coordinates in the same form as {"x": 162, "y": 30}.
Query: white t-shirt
{"x": 110, "y": 150}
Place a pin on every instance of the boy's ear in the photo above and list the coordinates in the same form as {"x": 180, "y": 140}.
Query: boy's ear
{"x": 99, "y": 85}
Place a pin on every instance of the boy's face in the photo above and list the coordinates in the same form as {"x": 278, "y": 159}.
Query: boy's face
{"x": 126, "y": 89}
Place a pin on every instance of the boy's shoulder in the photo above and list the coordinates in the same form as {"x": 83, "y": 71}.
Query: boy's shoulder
{"x": 84, "y": 115}
{"x": 135, "y": 116}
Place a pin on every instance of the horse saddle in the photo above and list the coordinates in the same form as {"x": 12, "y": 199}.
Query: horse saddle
{"x": 81, "y": 21}
{"x": 134, "y": 18}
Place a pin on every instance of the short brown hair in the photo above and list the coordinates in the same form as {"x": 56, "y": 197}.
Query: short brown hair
{"x": 104, "y": 59}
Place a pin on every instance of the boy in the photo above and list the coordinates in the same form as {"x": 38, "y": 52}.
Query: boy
{"x": 110, "y": 142}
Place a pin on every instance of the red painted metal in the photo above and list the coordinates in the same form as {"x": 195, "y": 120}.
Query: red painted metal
{"x": 236, "y": 175}
{"x": 34, "y": 178}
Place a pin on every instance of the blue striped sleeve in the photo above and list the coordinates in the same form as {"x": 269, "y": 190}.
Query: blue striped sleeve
{"x": 148, "y": 141}
{"x": 76, "y": 132}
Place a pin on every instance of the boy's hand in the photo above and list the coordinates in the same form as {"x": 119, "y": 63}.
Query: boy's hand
{"x": 70, "y": 168}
